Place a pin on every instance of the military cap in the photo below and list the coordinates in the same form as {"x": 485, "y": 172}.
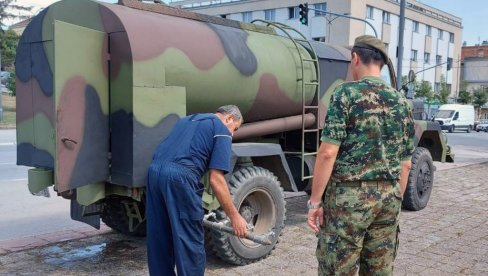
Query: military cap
{"x": 372, "y": 43}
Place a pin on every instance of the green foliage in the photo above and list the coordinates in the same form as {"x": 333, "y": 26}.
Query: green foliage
{"x": 464, "y": 97}
{"x": 11, "y": 84}
{"x": 480, "y": 97}
{"x": 8, "y": 47}
{"x": 9, "y": 10}
{"x": 443, "y": 91}
{"x": 423, "y": 89}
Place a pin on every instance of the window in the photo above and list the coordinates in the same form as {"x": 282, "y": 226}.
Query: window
{"x": 369, "y": 12}
{"x": 440, "y": 34}
{"x": 247, "y": 17}
{"x": 438, "y": 59}
{"x": 320, "y": 7}
{"x": 320, "y": 38}
{"x": 481, "y": 53}
{"x": 223, "y": 15}
{"x": 293, "y": 12}
{"x": 437, "y": 87}
{"x": 451, "y": 37}
{"x": 386, "y": 46}
{"x": 415, "y": 26}
{"x": 386, "y": 17}
{"x": 427, "y": 58}
{"x": 413, "y": 55}
{"x": 428, "y": 30}
{"x": 269, "y": 15}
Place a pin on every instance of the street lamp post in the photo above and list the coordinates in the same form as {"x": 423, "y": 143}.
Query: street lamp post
{"x": 347, "y": 16}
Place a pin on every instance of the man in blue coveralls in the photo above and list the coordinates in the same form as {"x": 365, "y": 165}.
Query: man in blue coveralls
{"x": 198, "y": 143}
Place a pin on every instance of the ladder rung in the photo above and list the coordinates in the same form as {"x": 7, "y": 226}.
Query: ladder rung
{"x": 311, "y": 83}
{"x": 311, "y": 106}
{"x": 309, "y": 153}
{"x": 309, "y": 59}
{"x": 311, "y": 130}
{"x": 307, "y": 177}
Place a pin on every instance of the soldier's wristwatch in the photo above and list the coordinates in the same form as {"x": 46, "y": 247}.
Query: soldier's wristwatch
{"x": 313, "y": 206}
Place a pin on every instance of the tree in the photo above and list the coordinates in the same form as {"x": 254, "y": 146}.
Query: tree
{"x": 9, "y": 10}
{"x": 480, "y": 97}
{"x": 464, "y": 97}
{"x": 423, "y": 89}
{"x": 444, "y": 91}
{"x": 8, "y": 47}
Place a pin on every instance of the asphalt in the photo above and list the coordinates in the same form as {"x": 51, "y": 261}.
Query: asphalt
{"x": 448, "y": 237}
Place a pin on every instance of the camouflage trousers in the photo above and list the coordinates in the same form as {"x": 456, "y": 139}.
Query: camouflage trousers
{"x": 360, "y": 230}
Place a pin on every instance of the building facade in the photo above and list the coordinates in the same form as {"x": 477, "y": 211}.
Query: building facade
{"x": 474, "y": 71}
{"x": 431, "y": 37}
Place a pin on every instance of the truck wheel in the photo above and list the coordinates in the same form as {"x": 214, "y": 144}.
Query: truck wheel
{"x": 114, "y": 215}
{"x": 469, "y": 129}
{"x": 420, "y": 181}
{"x": 451, "y": 129}
{"x": 260, "y": 200}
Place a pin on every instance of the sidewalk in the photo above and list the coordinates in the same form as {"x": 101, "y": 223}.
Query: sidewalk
{"x": 448, "y": 237}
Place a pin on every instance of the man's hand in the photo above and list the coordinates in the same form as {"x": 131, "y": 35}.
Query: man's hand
{"x": 219, "y": 186}
{"x": 315, "y": 219}
{"x": 239, "y": 225}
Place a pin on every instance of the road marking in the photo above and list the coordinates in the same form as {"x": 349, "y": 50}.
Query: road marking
{"x": 7, "y": 164}
{"x": 15, "y": 179}
{"x": 7, "y": 144}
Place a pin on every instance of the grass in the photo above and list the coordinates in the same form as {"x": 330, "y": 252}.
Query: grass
{"x": 8, "y": 105}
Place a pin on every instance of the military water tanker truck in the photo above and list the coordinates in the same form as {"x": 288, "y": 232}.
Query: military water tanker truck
{"x": 100, "y": 85}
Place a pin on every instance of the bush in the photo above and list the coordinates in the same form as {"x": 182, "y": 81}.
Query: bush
{"x": 11, "y": 84}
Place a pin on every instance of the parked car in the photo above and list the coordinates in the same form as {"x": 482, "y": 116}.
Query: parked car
{"x": 482, "y": 126}
{"x": 4, "y": 75}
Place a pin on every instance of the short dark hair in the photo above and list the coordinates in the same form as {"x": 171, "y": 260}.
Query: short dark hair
{"x": 369, "y": 55}
{"x": 232, "y": 110}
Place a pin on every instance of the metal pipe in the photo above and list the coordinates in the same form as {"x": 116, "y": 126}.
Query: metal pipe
{"x": 261, "y": 128}
{"x": 261, "y": 239}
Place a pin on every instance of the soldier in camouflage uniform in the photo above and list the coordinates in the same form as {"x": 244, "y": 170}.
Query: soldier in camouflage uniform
{"x": 362, "y": 165}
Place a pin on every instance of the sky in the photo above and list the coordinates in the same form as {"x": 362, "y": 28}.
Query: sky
{"x": 474, "y": 14}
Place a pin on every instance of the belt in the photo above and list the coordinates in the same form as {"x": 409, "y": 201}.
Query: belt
{"x": 364, "y": 183}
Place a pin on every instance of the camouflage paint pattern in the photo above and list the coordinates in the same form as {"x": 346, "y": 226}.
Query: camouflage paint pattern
{"x": 360, "y": 218}
{"x": 95, "y": 82}
{"x": 93, "y": 110}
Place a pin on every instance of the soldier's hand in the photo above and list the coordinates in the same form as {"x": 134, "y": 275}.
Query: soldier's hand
{"x": 315, "y": 219}
{"x": 239, "y": 225}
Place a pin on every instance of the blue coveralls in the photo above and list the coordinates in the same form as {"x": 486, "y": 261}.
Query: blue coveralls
{"x": 174, "y": 210}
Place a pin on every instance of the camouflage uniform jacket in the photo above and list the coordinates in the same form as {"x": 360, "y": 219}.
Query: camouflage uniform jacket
{"x": 372, "y": 123}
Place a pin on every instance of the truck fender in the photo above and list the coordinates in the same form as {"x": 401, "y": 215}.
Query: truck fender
{"x": 267, "y": 155}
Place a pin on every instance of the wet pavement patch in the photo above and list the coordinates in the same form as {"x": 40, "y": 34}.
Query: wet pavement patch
{"x": 55, "y": 255}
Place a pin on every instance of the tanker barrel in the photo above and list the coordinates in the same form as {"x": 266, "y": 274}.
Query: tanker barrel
{"x": 261, "y": 239}
{"x": 273, "y": 126}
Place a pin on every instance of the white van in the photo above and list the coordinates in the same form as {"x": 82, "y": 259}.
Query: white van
{"x": 455, "y": 116}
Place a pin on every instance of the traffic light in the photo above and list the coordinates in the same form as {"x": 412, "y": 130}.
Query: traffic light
{"x": 449, "y": 64}
{"x": 303, "y": 13}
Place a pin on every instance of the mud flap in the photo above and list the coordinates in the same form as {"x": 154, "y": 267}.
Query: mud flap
{"x": 88, "y": 214}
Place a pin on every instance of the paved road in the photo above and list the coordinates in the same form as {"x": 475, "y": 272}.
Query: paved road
{"x": 23, "y": 214}
{"x": 448, "y": 237}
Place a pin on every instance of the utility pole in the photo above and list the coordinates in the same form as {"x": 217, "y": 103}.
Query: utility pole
{"x": 400, "y": 43}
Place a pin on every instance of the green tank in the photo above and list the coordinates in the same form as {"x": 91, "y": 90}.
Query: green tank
{"x": 100, "y": 85}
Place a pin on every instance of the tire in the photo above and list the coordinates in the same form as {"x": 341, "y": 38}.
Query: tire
{"x": 468, "y": 130}
{"x": 451, "y": 129}
{"x": 260, "y": 199}
{"x": 420, "y": 181}
{"x": 114, "y": 215}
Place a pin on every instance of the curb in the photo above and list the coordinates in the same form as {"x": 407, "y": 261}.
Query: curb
{"x": 25, "y": 243}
